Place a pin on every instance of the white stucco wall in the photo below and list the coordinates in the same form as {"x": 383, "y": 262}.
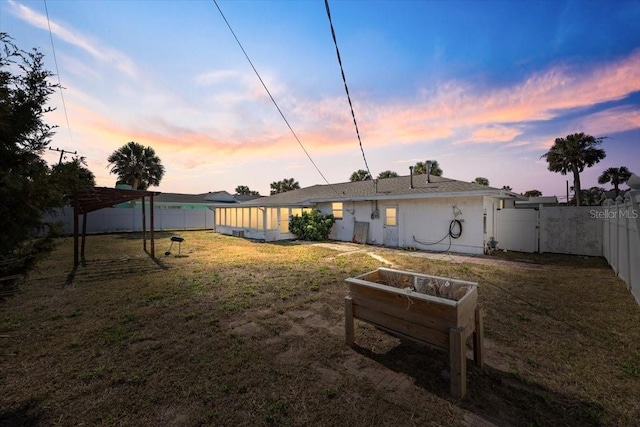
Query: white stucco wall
{"x": 426, "y": 220}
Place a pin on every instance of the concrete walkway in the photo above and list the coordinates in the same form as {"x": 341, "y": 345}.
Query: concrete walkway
{"x": 378, "y": 251}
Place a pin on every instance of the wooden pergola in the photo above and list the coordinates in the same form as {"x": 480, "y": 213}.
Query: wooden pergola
{"x": 92, "y": 199}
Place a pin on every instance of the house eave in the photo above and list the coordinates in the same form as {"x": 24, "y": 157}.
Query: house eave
{"x": 500, "y": 194}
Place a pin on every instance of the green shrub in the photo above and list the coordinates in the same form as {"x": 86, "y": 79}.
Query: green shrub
{"x": 312, "y": 225}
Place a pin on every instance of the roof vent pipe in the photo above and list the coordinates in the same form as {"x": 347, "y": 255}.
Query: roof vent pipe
{"x": 410, "y": 176}
{"x": 428, "y": 162}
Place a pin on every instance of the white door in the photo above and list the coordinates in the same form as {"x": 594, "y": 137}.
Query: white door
{"x": 390, "y": 226}
{"x": 517, "y": 229}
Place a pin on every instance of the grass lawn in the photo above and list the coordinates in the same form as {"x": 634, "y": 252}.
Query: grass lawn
{"x": 242, "y": 333}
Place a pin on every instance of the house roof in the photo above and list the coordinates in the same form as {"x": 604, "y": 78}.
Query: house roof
{"x": 380, "y": 189}
{"x": 180, "y": 198}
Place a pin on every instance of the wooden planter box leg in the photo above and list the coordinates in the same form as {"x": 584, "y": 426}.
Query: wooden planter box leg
{"x": 458, "y": 363}
{"x": 348, "y": 321}
{"x": 478, "y": 342}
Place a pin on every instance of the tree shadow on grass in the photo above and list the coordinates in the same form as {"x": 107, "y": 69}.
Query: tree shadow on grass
{"x": 29, "y": 413}
{"x": 500, "y": 397}
{"x": 102, "y": 270}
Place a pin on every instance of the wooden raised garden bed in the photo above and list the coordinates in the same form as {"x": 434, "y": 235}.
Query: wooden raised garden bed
{"x": 438, "y": 311}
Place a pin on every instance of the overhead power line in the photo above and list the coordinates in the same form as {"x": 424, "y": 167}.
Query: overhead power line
{"x": 273, "y": 99}
{"x": 55, "y": 61}
{"x": 346, "y": 88}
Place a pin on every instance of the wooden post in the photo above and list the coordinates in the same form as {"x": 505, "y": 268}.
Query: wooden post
{"x": 84, "y": 235}
{"x": 76, "y": 207}
{"x": 348, "y": 321}
{"x": 144, "y": 226}
{"x": 458, "y": 363}
{"x": 153, "y": 244}
{"x": 478, "y": 340}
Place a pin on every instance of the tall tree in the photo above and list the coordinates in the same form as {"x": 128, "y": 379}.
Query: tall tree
{"x": 532, "y": 193}
{"x": 69, "y": 177}
{"x": 387, "y": 174}
{"x": 572, "y": 154}
{"x": 244, "y": 190}
{"x": 615, "y": 176}
{"x": 136, "y": 165}
{"x": 481, "y": 180}
{"x": 24, "y": 180}
{"x": 360, "y": 175}
{"x": 283, "y": 186}
{"x": 421, "y": 168}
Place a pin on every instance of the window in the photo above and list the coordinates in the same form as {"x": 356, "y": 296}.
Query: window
{"x": 296, "y": 212}
{"x": 390, "y": 216}
{"x": 336, "y": 210}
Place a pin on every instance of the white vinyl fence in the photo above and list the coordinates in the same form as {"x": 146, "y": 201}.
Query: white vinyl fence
{"x": 557, "y": 229}
{"x": 621, "y": 240}
{"x": 111, "y": 220}
{"x": 610, "y": 231}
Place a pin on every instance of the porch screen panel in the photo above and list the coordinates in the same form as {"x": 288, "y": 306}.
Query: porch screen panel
{"x": 284, "y": 220}
{"x": 245, "y": 217}
{"x": 233, "y": 216}
{"x": 296, "y": 211}
{"x": 253, "y": 212}
{"x": 272, "y": 218}
{"x": 260, "y": 218}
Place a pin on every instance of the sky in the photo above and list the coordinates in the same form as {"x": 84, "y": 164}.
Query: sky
{"x": 483, "y": 87}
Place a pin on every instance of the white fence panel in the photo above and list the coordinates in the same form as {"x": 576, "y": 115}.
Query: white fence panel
{"x": 621, "y": 245}
{"x": 571, "y": 230}
{"x": 110, "y": 220}
{"x": 517, "y": 229}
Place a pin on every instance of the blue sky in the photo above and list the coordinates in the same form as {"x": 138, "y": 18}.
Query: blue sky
{"x": 483, "y": 87}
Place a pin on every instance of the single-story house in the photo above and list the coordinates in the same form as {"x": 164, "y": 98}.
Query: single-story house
{"x": 191, "y": 201}
{"x": 414, "y": 211}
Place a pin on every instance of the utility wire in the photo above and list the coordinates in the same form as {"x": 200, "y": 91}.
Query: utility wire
{"x": 346, "y": 88}
{"x": 273, "y": 100}
{"x": 55, "y": 61}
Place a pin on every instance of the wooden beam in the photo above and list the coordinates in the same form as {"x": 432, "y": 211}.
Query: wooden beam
{"x": 153, "y": 244}
{"x": 76, "y": 260}
{"x": 457, "y": 363}
{"x": 478, "y": 340}
{"x": 84, "y": 235}
{"x": 348, "y": 321}
{"x": 144, "y": 226}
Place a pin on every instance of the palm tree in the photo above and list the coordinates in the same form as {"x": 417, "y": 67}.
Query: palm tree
{"x": 283, "y": 186}
{"x": 244, "y": 190}
{"x": 615, "y": 176}
{"x": 573, "y": 154}
{"x": 387, "y": 174}
{"x": 594, "y": 196}
{"x": 360, "y": 175}
{"x": 532, "y": 193}
{"x": 481, "y": 180}
{"x": 136, "y": 165}
{"x": 420, "y": 168}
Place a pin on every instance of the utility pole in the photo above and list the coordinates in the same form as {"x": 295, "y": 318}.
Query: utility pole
{"x": 62, "y": 153}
